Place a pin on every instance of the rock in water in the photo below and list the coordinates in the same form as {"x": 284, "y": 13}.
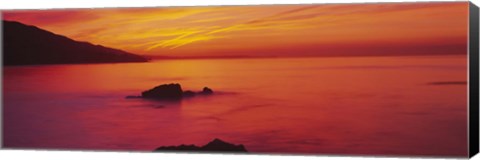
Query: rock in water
{"x": 206, "y": 90}
{"x": 188, "y": 93}
{"x": 171, "y": 91}
{"x": 178, "y": 148}
{"x": 131, "y": 97}
{"x": 219, "y": 145}
{"x": 216, "y": 145}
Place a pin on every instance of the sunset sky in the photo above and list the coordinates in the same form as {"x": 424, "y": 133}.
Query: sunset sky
{"x": 265, "y": 30}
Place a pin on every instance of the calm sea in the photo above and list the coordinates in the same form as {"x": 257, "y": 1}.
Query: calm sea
{"x": 354, "y": 105}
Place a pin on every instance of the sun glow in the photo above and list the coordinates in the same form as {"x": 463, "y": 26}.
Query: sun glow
{"x": 278, "y": 30}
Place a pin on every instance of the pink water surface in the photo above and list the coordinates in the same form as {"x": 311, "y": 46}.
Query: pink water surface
{"x": 353, "y": 105}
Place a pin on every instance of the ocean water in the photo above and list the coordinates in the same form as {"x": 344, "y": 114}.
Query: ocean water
{"x": 341, "y": 105}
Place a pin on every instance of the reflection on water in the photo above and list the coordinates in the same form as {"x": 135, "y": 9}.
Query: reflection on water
{"x": 372, "y": 105}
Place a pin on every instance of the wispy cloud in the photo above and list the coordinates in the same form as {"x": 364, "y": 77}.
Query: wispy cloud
{"x": 235, "y": 28}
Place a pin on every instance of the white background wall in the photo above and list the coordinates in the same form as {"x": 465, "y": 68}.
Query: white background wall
{"x": 80, "y": 155}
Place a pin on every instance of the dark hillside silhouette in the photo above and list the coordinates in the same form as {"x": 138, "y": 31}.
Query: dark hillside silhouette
{"x": 29, "y": 45}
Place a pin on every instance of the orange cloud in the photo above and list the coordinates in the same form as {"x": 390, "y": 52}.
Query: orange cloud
{"x": 282, "y": 30}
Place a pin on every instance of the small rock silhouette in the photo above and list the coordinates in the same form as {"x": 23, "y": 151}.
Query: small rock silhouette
{"x": 215, "y": 145}
{"x": 206, "y": 90}
{"x": 172, "y": 91}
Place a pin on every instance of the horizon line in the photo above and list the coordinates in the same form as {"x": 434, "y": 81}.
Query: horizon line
{"x": 161, "y": 57}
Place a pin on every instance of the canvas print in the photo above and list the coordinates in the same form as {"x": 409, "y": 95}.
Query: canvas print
{"x": 345, "y": 79}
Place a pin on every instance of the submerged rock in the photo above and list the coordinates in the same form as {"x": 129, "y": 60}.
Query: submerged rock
{"x": 188, "y": 93}
{"x": 215, "y": 145}
{"x": 178, "y": 148}
{"x": 171, "y": 91}
{"x": 131, "y": 97}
